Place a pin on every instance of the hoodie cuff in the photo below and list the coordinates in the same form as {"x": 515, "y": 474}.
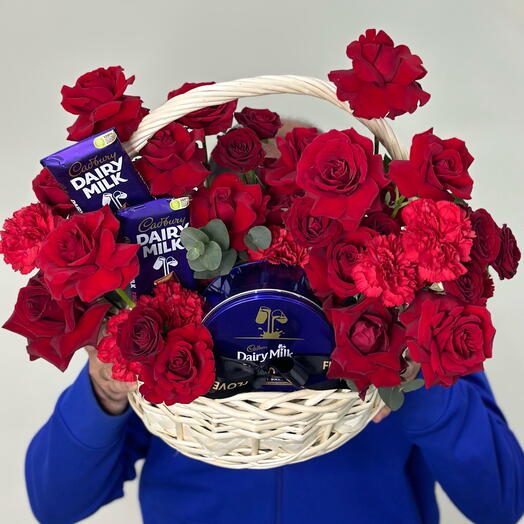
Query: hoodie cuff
{"x": 84, "y": 417}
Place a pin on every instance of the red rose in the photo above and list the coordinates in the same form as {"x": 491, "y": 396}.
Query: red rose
{"x": 384, "y": 269}
{"x": 171, "y": 162}
{"x": 24, "y": 234}
{"x": 50, "y": 192}
{"x": 331, "y": 270}
{"x": 277, "y": 204}
{"x": 99, "y": 101}
{"x": 436, "y": 168}
{"x": 281, "y": 175}
{"x": 183, "y": 370}
{"x": 283, "y": 249}
{"x": 473, "y": 287}
{"x": 383, "y": 81}
{"x": 341, "y": 172}
{"x": 109, "y": 352}
{"x": 140, "y": 336}
{"x": 507, "y": 260}
{"x": 448, "y": 338}
{"x": 263, "y": 122}
{"x": 239, "y": 149}
{"x": 438, "y": 238}
{"x": 54, "y": 329}
{"x": 307, "y": 229}
{"x": 240, "y": 206}
{"x": 486, "y": 244}
{"x": 81, "y": 257}
{"x": 382, "y": 223}
{"x": 212, "y": 119}
{"x": 369, "y": 345}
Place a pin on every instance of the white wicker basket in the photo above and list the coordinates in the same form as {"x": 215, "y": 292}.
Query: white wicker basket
{"x": 263, "y": 429}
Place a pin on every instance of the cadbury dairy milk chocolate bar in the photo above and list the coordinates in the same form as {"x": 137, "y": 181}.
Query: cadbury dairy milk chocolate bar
{"x": 97, "y": 172}
{"x": 156, "y": 226}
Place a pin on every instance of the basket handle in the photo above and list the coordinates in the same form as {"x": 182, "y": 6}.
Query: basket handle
{"x": 223, "y": 92}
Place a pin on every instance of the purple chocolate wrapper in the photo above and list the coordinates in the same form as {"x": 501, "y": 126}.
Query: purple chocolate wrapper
{"x": 156, "y": 226}
{"x": 97, "y": 172}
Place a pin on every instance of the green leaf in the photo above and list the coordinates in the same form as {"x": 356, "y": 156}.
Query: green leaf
{"x": 387, "y": 161}
{"x": 387, "y": 198}
{"x": 229, "y": 258}
{"x": 212, "y": 256}
{"x": 392, "y": 397}
{"x": 351, "y": 385}
{"x": 412, "y": 385}
{"x": 216, "y": 230}
{"x": 197, "y": 265}
{"x": 196, "y": 251}
{"x": 243, "y": 256}
{"x": 258, "y": 237}
{"x": 191, "y": 235}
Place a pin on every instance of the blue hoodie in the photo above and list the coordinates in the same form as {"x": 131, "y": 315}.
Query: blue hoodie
{"x": 457, "y": 436}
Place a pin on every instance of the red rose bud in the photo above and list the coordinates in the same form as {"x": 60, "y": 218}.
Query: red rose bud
{"x": 99, "y": 101}
{"x": 263, "y": 122}
{"x": 383, "y": 80}
{"x": 369, "y": 345}
{"x": 212, "y": 119}
{"x": 283, "y": 249}
{"x": 81, "y": 257}
{"x": 54, "y": 329}
{"x": 382, "y": 223}
{"x": 183, "y": 370}
{"x": 339, "y": 170}
{"x": 172, "y": 162}
{"x": 438, "y": 237}
{"x": 486, "y": 244}
{"x": 447, "y": 337}
{"x": 281, "y": 175}
{"x": 473, "y": 287}
{"x": 239, "y": 149}
{"x": 507, "y": 260}
{"x": 436, "y": 169}
{"x": 50, "y": 192}
{"x": 24, "y": 233}
{"x": 240, "y": 206}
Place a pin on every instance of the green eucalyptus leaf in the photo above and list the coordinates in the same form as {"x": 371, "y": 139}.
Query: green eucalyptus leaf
{"x": 212, "y": 257}
{"x": 258, "y": 237}
{"x": 243, "y": 256}
{"x": 229, "y": 258}
{"x": 351, "y": 385}
{"x": 197, "y": 265}
{"x": 191, "y": 235}
{"x": 392, "y": 397}
{"x": 192, "y": 253}
{"x": 216, "y": 230}
{"x": 412, "y": 385}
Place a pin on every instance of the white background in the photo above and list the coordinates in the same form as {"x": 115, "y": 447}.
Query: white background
{"x": 473, "y": 51}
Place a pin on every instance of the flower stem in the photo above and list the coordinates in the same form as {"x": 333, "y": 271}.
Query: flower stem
{"x": 377, "y": 145}
{"x": 125, "y": 297}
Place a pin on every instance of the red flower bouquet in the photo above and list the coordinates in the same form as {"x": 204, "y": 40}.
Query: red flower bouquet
{"x": 398, "y": 264}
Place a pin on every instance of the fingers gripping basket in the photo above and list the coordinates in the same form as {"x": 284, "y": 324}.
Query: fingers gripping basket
{"x": 261, "y": 429}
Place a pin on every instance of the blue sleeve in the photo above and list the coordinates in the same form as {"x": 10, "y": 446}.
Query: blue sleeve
{"x": 80, "y": 458}
{"x": 469, "y": 448}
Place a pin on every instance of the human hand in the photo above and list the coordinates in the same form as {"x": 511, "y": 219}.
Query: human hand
{"x": 111, "y": 394}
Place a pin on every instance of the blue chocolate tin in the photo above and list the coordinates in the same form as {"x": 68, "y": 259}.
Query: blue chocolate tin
{"x": 271, "y": 328}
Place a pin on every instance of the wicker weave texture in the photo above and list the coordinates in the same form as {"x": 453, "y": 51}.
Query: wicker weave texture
{"x": 258, "y": 430}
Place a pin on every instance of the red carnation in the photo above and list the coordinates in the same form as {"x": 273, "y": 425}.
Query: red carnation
{"x": 281, "y": 175}
{"x": 263, "y": 122}
{"x": 330, "y": 270}
{"x": 171, "y": 162}
{"x": 436, "y": 169}
{"x": 109, "y": 352}
{"x": 283, "y": 249}
{"x": 473, "y": 287}
{"x": 307, "y": 229}
{"x": 438, "y": 238}
{"x": 24, "y": 234}
{"x": 384, "y": 269}
{"x": 212, "y": 119}
{"x": 183, "y": 370}
{"x": 383, "y": 80}
{"x": 99, "y": 101}
{"x": 447, "y": 337}
{"x": 369, "y": 345}
{"x": 240, "y": 206}
{"x": 81, "y": 257}
{"x": 341, "y": 172}
{"x": 239, "y": 149}
{"x": 507, "y": 261}
{"x": 54, "y": 329}
{"x": 50, "y": 192}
